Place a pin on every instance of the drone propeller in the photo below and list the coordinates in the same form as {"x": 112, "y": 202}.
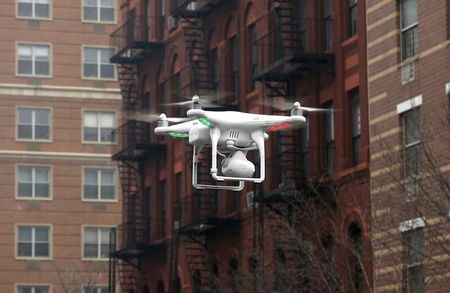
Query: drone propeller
{"x": 203, "y": 102}
{"x": 283, "y": 105}
{"x": 151, "y": 117}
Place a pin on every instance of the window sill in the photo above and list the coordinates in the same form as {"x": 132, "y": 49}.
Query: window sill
{"x": 350, "y": 41}
{"x": 34, "y": 140}
{"x": 99, "y": 201}
{"x": 33, "y": 199}
{"x": 34, "y": 18}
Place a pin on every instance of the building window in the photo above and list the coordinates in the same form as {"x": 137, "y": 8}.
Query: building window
{"x": 214, "y": 67}
{"x": 33, "y": 242}
{"x": 38, "y": 9}
{"x": 33, "y": 289}
{"x": 302, "y": 22}
{"x": 97, "y": 242}
{"x": 234, "y": 63}
{"x": 327, "y": 25}
{"x": 33, "y": 60}
{"x": 356, "y": 126}
{"x": 415, "y": 276}
{"x": 163, "y": 205}
{"x": 33, "y": 182}
{"x": 95, "y": 289}
{"x": 98, "y": 127}
{"x": 409, "y": 30}
{"x": 99, "y": 184}
{"x": 355, "y": 258}
{"x": 33, "y": 124}
{"x": 253, "y": 55}
{"x": 304, "y": 146}
{"x": 98, "y": 10}
{"x": 352, "y": 17}
{"x": 411, "y": 142}
{"x": 96, "y": 63}
{"x": 329, "y": 124}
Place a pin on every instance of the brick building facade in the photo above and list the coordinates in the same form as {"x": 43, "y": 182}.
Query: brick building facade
{"x": 408, "y": 65}
{"x": 308, "y": 225}
{"x": 59, "y": 101}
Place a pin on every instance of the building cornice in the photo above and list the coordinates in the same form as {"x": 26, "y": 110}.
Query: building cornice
{"x": 54, "y": 155}
{"x": 60, "y": 91}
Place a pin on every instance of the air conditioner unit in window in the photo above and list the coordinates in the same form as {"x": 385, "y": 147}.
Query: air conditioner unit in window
{"x": 407, "y": 72}
{"x": 172, "y": 23}
{"x": 250, "y": 199}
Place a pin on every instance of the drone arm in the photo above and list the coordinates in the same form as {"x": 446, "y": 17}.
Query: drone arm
{"x": 215, "y": 135}
{"x": 258, "y": 138}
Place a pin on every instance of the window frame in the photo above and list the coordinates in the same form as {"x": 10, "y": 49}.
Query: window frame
{"x": 98, "y": 64}
{"x": 99, "y": 21}
{"x": 352, "y": 6}
{"x": 17, "y": 285}
{"x": 355, "y": 135}
{"x": 50, "y": 125}
{"x": 33, "y": 197}
{"x": 98, "y": 141}
{"x": 404, "y": 30}
{"x": 33, "y": 44}
{"x": 327, "y": 24}
{"x": 99, "y": 168}
{"x": 50, "y": 241}
{"x": 97, "y": 227}
{"x": 252, "y": 38}
{"x": 417, "y": 143}
{"x": 330, "y": 138}
{"x": 50, "y": 11}
{"x": 415, "y": 265}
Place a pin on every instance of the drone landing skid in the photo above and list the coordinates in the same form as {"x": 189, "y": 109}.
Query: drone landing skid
{"x": 195, "y": 183}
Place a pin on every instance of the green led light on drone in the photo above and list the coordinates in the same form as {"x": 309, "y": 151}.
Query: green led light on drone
{"x": 178, "y": 134}
{"x": 205, "y": 121}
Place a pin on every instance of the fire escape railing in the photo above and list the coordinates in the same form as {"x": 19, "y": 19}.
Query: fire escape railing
{"x": 140, "y": 233}
{"x": 137, "y": 35}
{"x": 192, "y": 8}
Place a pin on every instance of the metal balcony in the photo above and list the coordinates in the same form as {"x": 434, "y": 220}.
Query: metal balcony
{"x": 136, "y": 141}
{"x": 198, "y": 214}
{"x": 135, "y": 37}
{"x": 138, "y": 237}
{"x": 192, "y": 8}
{"x": 284, "y": 53}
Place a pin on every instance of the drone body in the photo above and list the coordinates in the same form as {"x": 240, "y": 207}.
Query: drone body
{"x": 232, "y": 135}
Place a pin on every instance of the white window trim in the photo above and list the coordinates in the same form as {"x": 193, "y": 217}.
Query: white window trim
{"x": 50, "y": 133}
{"x": 50, "y": 12}
{"x": 447, "y": 88}
{"x": 404, "y": 29}
{"x": 50, "y": 241}
{"x": 114, "y": 78}
{"x": 116, "y": 197}
{"x": 409, "y": 104}
{"x": 412, "y": 224}
{"x": 94, "y": 285}
{"x": 98, "y": 110}
{"x": 50, "y": 60}
{"x": 16, "y": 286}
{"x": 114, "y": 21}
{"x": 82, "y": 241}
{"x": 50, "y": 182}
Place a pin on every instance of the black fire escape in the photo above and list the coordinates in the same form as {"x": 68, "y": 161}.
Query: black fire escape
{"x": 136, "y": 38}
{"x": 285, "y": 58}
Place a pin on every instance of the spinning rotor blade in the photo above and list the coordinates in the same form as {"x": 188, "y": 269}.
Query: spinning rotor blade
{"x": 151, "y": 117}
{"x": 283, "y": 105}
{"x": 202, "y": 102}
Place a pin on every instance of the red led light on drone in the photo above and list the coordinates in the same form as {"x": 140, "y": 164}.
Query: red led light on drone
{"x": 279, "y": 126}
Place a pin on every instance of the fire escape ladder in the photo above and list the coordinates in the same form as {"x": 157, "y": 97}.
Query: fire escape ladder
{"x": 174, "y": 247}
{"x": 128, "y": 80}
{"x": 287, "y": 25}
{"x": 197, "y": 54}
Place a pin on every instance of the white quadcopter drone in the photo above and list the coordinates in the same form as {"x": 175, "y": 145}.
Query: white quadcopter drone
{"x": 232, "y": 135}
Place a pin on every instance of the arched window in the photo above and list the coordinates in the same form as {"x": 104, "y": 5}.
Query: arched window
{"x": 355, "y": 257}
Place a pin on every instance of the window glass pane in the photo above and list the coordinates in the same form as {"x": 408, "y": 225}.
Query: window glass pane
{"x": 25, "y": 116}
{"x": 106, "y": 3}
{"x": 107, "y": 71}
{"x": 42, "y": 68}
{"x": 90, "y": 176}
{"x": 106, "y": 14}
{"x": 90, "y": 13}
{"x": 412, "y": 127}
{"x": 91, "y": 3}
{"x": 41, "y": 250}
{"x": 24, "y": 234}
{"x": 90, "y": 70}
{"x": 409, "y": 12}
{"x": 42, "y": 116}
{"x": 25, "y": 174}
{"x": 42, "y": 132}
{"x": 24, "y": 249}
{"x": 41, "y": 289}
{"x": 25, "y": 52}
{"x": 24, "y": 132}
{"x": 412, "y": 160}
{"x": 90, "y": 119}
{"x": 90, "y": 250}
{"x": 41, "y": 190}
{"x": 41, "y": 52}
{"x": 24, "y": 289}
{"x": 25, "y": 9}
{"x": 90, "y": 55}
{"x": 107, "y": 192}
{"x": 41, "y": 234}
{"x": 25, "y": 67}
{"x": 90, "y": 134}
{"x": 42, "y": 174}
{"x": 104, "y": 253}
{"x": 90, "y": 236}
{"x": 42, "y": 10}
{"x": 90, "y": 191}
{"x": 105, "y": 235}
{"x": 107, "y": 177}
{"x": 107, "y": 120}
{"x": 24, "y": 189}
{"x": 106, "y": 135}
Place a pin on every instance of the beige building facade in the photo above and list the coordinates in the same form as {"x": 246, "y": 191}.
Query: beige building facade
{"x": 409, "y": 86}
{"x": 59, "y": 102}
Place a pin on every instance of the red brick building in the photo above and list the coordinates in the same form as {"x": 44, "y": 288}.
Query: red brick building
{"x": 409, "y": 69}
{"x": 307, "y": 227}
{"x": 59, "y": 101}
